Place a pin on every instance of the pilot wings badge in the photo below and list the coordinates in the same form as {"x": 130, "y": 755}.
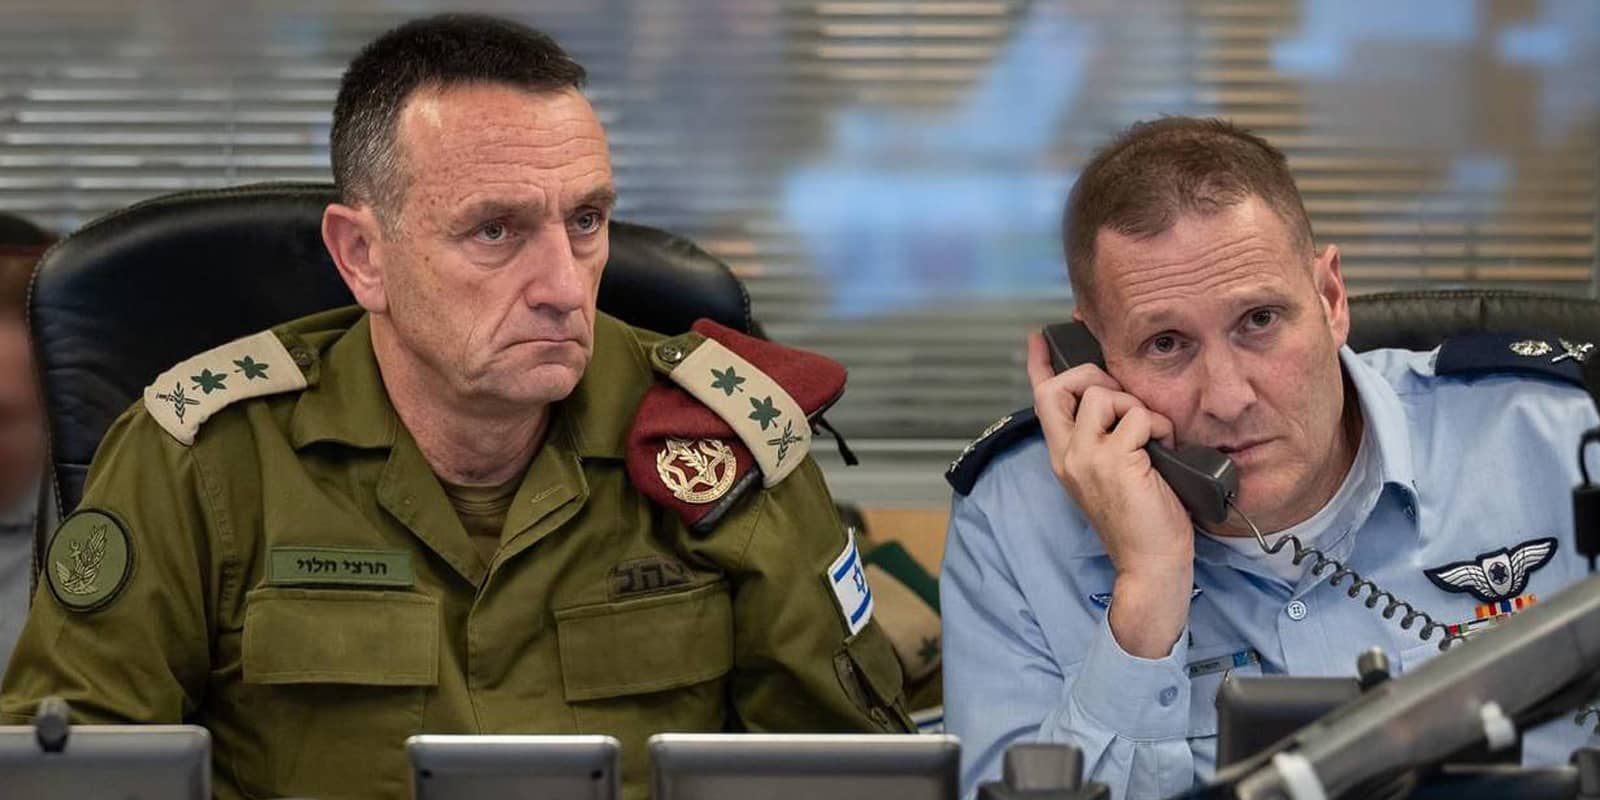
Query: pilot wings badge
{"x": 1495, "y": 576}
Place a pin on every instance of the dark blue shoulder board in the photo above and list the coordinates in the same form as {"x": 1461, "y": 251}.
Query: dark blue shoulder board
{"x": 1534, "y": 354}
{"x": 994, "y": 440}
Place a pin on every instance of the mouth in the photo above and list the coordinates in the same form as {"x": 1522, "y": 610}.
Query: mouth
{"x": 1244, "y": 449}
{"x": 549, "y": 341}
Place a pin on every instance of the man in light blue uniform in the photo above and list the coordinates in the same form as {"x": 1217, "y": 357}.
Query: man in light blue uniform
{"x": 1441, "y": 477}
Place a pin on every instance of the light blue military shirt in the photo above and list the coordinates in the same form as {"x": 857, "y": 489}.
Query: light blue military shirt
{"x": 1466, "y": 466}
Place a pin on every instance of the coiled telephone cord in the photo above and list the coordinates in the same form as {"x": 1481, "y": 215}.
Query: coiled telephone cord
{"x": 1323, "y": 562}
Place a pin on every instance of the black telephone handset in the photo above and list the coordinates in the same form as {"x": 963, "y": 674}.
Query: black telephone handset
{"x": 1202, "y": 478}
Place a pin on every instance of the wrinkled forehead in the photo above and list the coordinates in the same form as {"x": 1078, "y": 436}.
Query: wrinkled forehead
{"x": 456, "y": 141}
{"x": 1202, "y": 255}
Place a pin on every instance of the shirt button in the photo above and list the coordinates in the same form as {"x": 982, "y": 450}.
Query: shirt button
{"x": 670, "y": 353}
{"x": 1296, "y": 610}
{"x": 1168, "y": 696}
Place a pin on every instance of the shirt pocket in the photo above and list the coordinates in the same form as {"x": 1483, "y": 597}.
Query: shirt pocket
{"x": 635, "y": 668}
{"x": 1206, "y": 670}
{"x": 648, "y": 645}
{"x": 870, "y": 673}
{"x": 333, "y": 677}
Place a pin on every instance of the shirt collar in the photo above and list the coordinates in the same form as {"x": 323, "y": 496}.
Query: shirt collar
{"x": 1385, "y": 414}
{"x": 1385, "y": 431}
{"x": 599, "y": 412}
{"x": 347, "y": 403}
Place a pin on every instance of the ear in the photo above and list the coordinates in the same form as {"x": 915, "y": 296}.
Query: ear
{"x": 353, "y": 238}
{"x": 1329, "y": 281}
{"x": 1082, "y": 313}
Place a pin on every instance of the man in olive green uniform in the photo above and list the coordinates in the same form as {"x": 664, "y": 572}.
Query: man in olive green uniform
{"x": 463, "y": 506}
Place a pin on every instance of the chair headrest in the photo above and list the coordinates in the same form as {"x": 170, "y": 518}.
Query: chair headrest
{"x": 1421, "y": 320}
{"x": 140, "y": 289}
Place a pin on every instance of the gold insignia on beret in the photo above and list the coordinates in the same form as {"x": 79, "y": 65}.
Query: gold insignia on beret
{"x": 700, "y": 471}
{"x": 1532, "y": 348}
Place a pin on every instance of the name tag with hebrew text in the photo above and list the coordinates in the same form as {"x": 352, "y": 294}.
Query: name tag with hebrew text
{"x": 315, "y": 566}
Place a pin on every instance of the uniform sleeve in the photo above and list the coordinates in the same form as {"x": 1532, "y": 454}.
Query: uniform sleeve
{"x": 797, "y": 667}
{"x": 1004, "y": 685}
{"x": 143, "y": 654}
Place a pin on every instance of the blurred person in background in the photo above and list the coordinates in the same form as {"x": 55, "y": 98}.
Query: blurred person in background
{"x": 21, "y": 424}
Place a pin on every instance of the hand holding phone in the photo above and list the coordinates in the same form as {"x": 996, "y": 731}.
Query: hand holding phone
{"x": 1097, "y": 435}
{"x": 1203, "y": 478}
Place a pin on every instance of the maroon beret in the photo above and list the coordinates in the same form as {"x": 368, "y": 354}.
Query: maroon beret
{"x": 736, "y": 412}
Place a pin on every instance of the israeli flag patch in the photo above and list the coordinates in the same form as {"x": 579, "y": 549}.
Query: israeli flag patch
{"x": 848, "y": 578}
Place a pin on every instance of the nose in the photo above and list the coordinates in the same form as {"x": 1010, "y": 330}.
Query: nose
{"x": 559, "y": 282}
{"x": 1226, "y": 392}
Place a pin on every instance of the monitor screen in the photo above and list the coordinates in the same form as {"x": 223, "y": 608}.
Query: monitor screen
{"x": 128, "y": 762}
{"x": 1255, "y": 712}
{"x": 805, "y": 766}
{"x": 514, "y": 767}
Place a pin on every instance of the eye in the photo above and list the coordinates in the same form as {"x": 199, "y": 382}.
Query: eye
{"x": 588, "y": 222}
{"x": 1261, "y": 318}
{"x": 1164, "y": 344}
{"x": 493, "y": 232}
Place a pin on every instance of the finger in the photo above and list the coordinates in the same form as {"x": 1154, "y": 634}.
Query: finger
{"x": 1051, "y": 404}
{"x": 1039, "y": 369}
{"x": 1062, "y": 393}
{"x": 1075, "y": 379}
{"x": 1134, "y": 430}
{"x": 1162, "y": 429}
{"x": 1098, "y": 411}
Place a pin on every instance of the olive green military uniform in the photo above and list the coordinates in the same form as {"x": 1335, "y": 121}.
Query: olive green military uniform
{"x": 297, "y": 581}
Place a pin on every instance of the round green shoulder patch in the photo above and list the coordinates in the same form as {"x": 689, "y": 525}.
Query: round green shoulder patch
{"x": 88, "y": 560}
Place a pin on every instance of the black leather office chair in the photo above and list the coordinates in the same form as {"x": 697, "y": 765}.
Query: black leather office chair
{"x": 1420, "y": 320}
{"x": 141, "y": 289}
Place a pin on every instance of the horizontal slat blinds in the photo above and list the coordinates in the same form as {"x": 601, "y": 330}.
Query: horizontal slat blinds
{"x": 887, "y": 176}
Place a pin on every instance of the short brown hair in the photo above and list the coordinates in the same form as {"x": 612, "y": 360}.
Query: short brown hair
{"x": 1140, "y": 183}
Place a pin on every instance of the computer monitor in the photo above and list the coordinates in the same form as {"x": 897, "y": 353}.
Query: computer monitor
{"x": 514, "y": 767}
{"x": 805, "y": 766}
{"x": 128, "y": 762}
{"x": 1255, "y": 712}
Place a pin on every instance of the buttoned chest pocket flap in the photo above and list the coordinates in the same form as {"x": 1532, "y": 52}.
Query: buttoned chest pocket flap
{"x": 1206, "y": 670}
{"x": 341, "y": 636}
{"x": 651, "y": 644}
{"x": 343, "y": 674}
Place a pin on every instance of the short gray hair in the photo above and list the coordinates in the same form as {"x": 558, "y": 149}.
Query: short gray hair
{"x": 436, "y": 52}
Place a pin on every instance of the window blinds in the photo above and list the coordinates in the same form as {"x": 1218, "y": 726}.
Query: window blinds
{"x": 887, "y": 177}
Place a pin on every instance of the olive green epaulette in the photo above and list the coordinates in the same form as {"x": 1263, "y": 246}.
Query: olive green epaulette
{"x": 185, "y": 396}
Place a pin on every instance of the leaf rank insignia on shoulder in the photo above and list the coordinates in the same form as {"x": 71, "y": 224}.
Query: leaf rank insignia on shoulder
{"x": 1531, "y": 354}
{"x": 996, "y": 439}
{"x": 738, "y": 411}
{"x": 185, "y": 396}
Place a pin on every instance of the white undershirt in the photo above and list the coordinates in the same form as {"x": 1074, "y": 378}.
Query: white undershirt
{"x": 1361, "y": 474}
